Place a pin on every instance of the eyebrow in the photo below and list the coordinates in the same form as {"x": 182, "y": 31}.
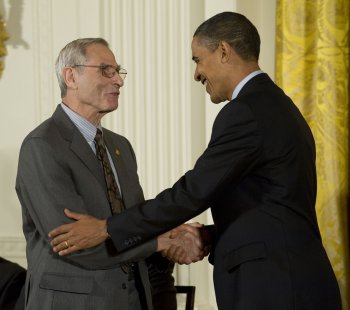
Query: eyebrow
{"x": 118, "y": 67}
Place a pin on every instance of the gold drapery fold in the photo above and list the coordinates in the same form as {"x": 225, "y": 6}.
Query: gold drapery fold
{"x": 3, "y": 38}
{"x": 312, "y": 66}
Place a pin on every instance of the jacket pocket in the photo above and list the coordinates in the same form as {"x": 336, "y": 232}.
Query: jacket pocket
{"x": 246, "y": 253}
{"x": 66, "y": 283}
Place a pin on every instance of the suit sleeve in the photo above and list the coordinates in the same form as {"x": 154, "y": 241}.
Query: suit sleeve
{"x": 233, "y": 151}
{"x": 45, "y": 187}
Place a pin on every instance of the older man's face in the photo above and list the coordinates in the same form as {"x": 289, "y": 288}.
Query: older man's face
{"x": 95, "y": 93}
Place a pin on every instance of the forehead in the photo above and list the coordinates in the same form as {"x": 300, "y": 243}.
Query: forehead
{"x": 198, "y": 49}
{"x": 98, "y": 53}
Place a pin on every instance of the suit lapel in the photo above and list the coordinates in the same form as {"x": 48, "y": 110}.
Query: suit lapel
{"x": 79, "y": 146}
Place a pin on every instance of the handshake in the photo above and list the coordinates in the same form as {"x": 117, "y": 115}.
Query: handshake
{"x": 185, "y": 244}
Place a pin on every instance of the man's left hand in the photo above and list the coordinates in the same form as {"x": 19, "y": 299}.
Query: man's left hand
{"x": 86, "y": 232}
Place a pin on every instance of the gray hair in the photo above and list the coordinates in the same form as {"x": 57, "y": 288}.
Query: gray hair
{"x": 72, "y": 54}
{"x": 233, "y": 28}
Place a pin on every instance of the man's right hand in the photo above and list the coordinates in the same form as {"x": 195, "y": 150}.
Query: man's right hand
{"x": 185, "y": 244}
{"x": 86, "y": 232}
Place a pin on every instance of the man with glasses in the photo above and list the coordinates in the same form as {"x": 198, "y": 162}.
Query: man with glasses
{"x": 70, "y": 161}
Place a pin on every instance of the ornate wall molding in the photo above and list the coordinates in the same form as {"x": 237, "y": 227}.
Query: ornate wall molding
{"x": 13, "y": 249}
{"x": 152, "y": 40}
{"x": 42, "y": 45}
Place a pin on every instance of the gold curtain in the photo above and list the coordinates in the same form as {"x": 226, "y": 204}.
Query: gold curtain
{"x": 312, "y": 66}
{"x": 3, "y": 38}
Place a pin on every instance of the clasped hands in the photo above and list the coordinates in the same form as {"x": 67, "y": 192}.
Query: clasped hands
{"x": 185, "y": 244}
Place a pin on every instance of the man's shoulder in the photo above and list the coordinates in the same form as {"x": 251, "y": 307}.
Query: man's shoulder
{"x": 50, "y": 133}
{"x": 42, "y": 129}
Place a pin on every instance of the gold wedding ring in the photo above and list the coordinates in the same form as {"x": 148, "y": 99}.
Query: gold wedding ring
{"x": 67, "y": 244}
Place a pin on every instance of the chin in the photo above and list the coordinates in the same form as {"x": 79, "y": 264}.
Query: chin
{"x": 108, "y": 110}
{"x": 216, "y": 100}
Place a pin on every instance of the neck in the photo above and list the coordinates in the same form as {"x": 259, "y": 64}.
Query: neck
{"x": 240, "y": 72}
{"x": 85, "y": 111}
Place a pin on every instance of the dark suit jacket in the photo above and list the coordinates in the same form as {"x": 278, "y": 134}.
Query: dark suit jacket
{"x": 258, "y": 177}
{"x": 57, "y": 169}
{"x": 11, "y": 285}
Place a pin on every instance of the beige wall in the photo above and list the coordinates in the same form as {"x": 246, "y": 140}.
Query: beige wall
{"x": 163, "y": 112}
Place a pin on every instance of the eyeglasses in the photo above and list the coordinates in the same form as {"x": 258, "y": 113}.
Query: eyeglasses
{"x": 108, "y": 70}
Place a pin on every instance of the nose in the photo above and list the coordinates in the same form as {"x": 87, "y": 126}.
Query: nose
{"x": 197, "y": 75}
{"x": 117, "y": 80}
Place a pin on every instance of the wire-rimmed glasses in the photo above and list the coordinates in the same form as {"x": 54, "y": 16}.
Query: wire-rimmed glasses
{"x": 108, "y": 70}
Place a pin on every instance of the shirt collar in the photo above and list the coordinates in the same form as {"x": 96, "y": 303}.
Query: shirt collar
{"x": 87, "y": 129}
{"x": 243, "y": 82}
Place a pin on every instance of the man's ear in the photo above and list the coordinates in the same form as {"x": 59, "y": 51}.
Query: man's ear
{"x": 225, "y": 50}
{"x": 69, "y": 77}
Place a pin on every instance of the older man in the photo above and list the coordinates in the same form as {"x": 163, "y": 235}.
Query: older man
{"x": 71, "y": 161}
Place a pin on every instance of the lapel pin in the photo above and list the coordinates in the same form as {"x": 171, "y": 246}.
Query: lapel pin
{"x": 117, "y": 152}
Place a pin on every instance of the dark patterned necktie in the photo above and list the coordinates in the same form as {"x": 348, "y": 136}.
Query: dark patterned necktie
{"x": 114, "y": 197}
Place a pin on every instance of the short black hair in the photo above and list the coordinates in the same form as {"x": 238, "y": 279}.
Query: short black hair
{"x": 233, "y": 28}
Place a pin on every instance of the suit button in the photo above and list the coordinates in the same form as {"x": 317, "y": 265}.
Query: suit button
{"x": 123, "y": 286}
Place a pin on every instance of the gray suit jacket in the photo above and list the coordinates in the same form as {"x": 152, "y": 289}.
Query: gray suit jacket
{"x": 57, "y": 169}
